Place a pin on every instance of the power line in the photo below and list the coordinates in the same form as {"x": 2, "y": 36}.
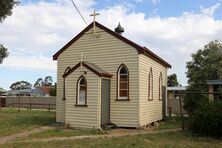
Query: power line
{"x": 79, "y": 11}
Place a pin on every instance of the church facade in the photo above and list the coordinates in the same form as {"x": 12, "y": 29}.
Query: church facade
{"x": 105, "y": 78}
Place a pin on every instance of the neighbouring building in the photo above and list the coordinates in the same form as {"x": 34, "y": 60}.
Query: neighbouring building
{"x": 103, "y": 78}
{"x": 173, "y": 95}
{"x": 214, "y": 86}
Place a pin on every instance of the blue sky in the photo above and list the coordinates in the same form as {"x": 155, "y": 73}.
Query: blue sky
{"x": 171, "y": 28}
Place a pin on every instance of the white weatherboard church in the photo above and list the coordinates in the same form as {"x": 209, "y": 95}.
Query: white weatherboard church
{"x": 103, "y": 78}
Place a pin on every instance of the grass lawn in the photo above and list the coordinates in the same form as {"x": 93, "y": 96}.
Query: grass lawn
{"x": 12, "y": 122}
{"x": 167, "y": 139}
{"x": 171, "y": 123}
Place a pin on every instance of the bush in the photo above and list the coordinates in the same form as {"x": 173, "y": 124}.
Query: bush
{"x": 207, "y": 119}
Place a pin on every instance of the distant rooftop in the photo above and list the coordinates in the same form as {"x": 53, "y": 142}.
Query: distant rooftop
{"x": 214, "y": 82}
{"x": 177, "y": 88}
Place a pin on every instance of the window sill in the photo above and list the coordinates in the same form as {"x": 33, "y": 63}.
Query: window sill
{"x": 81, "y": 105}
{"x": 122, "y": 99}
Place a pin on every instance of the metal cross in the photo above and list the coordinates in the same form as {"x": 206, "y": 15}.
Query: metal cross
{"x": 94, "y": 21}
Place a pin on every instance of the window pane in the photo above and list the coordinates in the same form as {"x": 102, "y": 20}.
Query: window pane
{"x": 123, "y": 78}
{"x": 82, "y": 82}
{"x": 123, "y": 85}
{"x": 123, "y": 70}
{"x": 123, "y": 93}
{"x": 82, "y": 87}
{"x": 82, "y": 97}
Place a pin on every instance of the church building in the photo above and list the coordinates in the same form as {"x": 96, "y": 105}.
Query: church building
{"x": 104, "y": 78}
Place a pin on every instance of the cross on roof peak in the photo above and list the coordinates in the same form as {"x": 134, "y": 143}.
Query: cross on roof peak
{"x": 94, "y": 14}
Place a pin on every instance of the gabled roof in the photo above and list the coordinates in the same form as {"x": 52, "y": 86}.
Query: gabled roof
{"x": 46, "y": 89}
{"x": 177, "y": 88}
{"x": 90, "y": 66}
{"x": 140, "y": 49}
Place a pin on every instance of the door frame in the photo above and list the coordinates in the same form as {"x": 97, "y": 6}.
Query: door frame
{"x": 108, "y": 101}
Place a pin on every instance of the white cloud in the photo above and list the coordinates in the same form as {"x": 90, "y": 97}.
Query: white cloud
{"x": 210, "y": 11}
{"x": 36, "y": 31}
{"x": 30, "y": 62}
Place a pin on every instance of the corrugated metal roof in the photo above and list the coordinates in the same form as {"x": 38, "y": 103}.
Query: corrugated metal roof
{"x": 177, "y": 88}
{"x": 214, "y": 82}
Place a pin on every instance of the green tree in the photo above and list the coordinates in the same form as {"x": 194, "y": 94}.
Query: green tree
{"x": 46, "y": 82}
{"x": 206, "y": 64}
{"x": 6, "y": 7}
{"x": 21, "y": 85}
{"x": 3, "y": 53}
{"x": 172, "y": 80}
{"x": 53, "y": 90}
{"x": 38, "y": 83}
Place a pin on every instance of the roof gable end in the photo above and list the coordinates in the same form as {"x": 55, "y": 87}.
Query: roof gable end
{"x": 140, "y": 49}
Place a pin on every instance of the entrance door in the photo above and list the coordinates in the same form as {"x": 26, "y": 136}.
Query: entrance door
{"x": 164, "y": 101}
{"x": 105, "y": 100}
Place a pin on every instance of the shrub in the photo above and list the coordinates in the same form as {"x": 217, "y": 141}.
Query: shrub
{"x": 207, "y": 119}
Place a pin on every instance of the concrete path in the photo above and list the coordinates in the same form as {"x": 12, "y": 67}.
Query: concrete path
{"x": 111, "y": 134}
{"x": 11, "y": 137}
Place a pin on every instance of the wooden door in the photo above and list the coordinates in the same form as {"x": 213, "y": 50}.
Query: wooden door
{"x": 105, "y": 101}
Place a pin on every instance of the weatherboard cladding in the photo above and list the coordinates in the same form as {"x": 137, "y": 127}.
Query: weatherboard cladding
{"x": 150, "y": 111}
{"x": 107, "y": 53}
{"x": 141, "y": 50}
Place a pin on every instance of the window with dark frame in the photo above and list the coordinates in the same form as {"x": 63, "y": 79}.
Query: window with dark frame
{"x": 81, "y": 91}
{"x": 160, "y": 86}
{"x": 150, "y": 85}
{"x": 123, "y": 83}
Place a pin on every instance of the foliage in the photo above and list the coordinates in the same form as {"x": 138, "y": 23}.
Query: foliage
{"x": 172, "y": 80}
{"x": 3, "y": 52}
{"x": 6, "y": 7}
{"x": 53, "y": 90}
{"x": 38, "y": 83}
{"x": 193, "y": 101}
{"x": 207, "y": 119}
{"x": 20, "y": 85}
{"x": 46, "y": 82}
{"x": 206, "y": 64}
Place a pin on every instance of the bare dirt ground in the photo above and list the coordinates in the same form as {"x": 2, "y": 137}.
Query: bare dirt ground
{"x": 112, "y": 133}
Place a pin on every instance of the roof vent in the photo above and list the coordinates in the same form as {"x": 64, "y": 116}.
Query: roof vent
{"x": 119, "y": 29}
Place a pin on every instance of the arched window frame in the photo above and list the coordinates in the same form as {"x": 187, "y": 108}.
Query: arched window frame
{"x": 125, "y": 98}
{"x": 150, "y": 85}
{"x": 78, "y": 87}
{"x": 160, "y": 86}
{"x": 64, "y": 82}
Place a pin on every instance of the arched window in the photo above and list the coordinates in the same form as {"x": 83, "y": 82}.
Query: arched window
{"x": 123, "y": 82}
{"x": 64, "y": 83}
{"x": 160, "y": 86}
{"x": 81, "y": 91}
{"x": 150, "y": 85}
